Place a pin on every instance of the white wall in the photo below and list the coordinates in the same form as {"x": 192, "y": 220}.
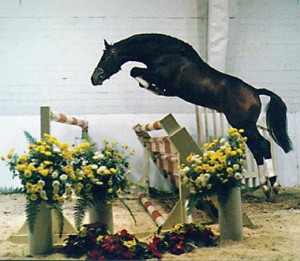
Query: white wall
{"x": 264, "y": 44}
{"x": 48, "y": 50}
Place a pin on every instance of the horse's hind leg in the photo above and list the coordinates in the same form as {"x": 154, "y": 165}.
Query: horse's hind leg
{"x": 261, "y": 150}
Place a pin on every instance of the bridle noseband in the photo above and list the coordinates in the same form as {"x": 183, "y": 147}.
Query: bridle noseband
{"x": 99, "y": 70}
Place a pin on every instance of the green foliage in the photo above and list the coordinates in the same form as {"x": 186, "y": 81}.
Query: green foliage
{"x": 32, "y": 210}
{"x": 57, "y": 208}
{"x": 11, "y": 190}
{"x": 80, "y": 208}
{"x": 29, "y": 137}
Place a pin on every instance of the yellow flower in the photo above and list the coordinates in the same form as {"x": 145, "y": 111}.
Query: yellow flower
{"x": 107, "y": 172}
{"x": 130, "y": 243}
{"x": 112, "y": 170}
{"x": 55, "y": 197}
{"x": 108, "y": 153}
{"x": 229, "y": 170}
{"x": 28, "y": 186}
{"x": 48, "y": 153}
{"x": 27, "y": 174}
{"x": 177, "y": 227}
{"x": 23, "y": 158}
{"x": 99, "y": 238}
{"x": 110, "y": 191}
{"x": 10, "y": 154}
{"x": 21, "y": 167}
{"x": 47, "y": 162}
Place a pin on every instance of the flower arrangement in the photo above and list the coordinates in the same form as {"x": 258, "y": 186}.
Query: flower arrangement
{"x": 46, "y": 172}
{"x": 86, "y": 239}
{"x": 97, "y": 243}
{"x": 218, "y": 170}
{"x": 183, "y": 238}
{"x": 121, "y": 246}
{"x": 101, "y": 174}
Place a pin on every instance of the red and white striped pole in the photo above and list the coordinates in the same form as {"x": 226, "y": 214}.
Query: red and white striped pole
{"x": 153, "y": 212}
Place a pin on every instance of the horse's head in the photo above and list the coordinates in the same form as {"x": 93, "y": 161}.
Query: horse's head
{"x": 108, "y": 65}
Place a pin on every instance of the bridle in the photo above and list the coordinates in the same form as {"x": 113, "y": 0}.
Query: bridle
{"x": 99, "y": 70}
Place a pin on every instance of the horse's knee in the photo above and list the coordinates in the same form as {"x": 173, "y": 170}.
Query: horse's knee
{"x": 137, "y": 72}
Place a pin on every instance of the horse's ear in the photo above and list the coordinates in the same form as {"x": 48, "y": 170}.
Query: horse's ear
{"x": 106, "y": 44}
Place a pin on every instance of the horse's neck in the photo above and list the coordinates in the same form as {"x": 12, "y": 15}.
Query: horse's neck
{"x": 132, "y": 53}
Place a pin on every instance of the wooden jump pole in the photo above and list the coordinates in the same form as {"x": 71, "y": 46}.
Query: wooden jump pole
{"x": 177, "y": 142}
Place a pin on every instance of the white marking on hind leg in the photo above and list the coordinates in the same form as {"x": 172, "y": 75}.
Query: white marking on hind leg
{"x": 143, "y": 82}
{"x": 269, "y": 168}
{"x": 262, "y": 174}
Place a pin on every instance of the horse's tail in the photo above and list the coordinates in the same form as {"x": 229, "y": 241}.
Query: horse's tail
{"x": 277, "y": 120}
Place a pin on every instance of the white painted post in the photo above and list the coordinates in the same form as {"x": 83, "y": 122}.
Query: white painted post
{"x": 41, "y": 238}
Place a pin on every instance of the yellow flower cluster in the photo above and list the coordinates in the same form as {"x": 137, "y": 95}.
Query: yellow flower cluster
{"x": 45, "y": 169}
{"x": 101, "y": 172}
{"x": 52, "y": 172}
{"x": 219, "y": 168}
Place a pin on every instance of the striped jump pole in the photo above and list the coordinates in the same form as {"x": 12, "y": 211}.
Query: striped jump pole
{"x": 153, "y": 212}
{"x": 167, "y": 152}
{"x": 156, "y": 125}
{"x": 47, "y": 116}
{"x": 70, "y": 120}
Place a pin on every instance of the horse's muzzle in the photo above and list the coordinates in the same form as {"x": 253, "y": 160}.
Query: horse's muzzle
{"x": 97, "y": 77}
{"x": 97, "y": 81}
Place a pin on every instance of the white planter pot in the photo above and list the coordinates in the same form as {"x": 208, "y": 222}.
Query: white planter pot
{"x": 231, "y": 216}
{"x": 40, "y": 241}
{"x": 102, "y": 212}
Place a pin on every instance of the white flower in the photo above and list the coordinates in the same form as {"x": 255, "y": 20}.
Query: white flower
{"x": 54, "y": 174}
{"x": 196, "y": 158}
{"x": 101, "y": 169}
{"x": 41, "y": 183}
{"x": 98, "y": 155}
{"x": 184, "y": 170}
{"x": 84, "y": 162}
{"x": 222, "y": 141}
{"x": 63, "y": 177}
{"x": 236, "y": 166}
{"x": 206, "y": 177}
{"x": 43, "y": 195}
{"x": 238, "y": 176}
{"x": 94, "y": 166}
{"x": 55, "y": 183}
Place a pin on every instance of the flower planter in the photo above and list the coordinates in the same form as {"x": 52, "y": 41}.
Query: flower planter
{"x": 231, "y": 216}
{"x": 102, "y": 212}
{"x": 40, "y": 241}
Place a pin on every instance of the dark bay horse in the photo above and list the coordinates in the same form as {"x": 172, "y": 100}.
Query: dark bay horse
{"x": 174, "y": 68}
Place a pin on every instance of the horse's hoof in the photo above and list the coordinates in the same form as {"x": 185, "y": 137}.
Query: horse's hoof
{"x": 276, "y": 187}
{"x": 266, "y": 190}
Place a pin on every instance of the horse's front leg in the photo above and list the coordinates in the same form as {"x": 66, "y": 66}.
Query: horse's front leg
{"x": 146, "y": 80}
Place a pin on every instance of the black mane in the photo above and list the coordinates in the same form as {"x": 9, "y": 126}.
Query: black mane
{"x": 158, "y": 43}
